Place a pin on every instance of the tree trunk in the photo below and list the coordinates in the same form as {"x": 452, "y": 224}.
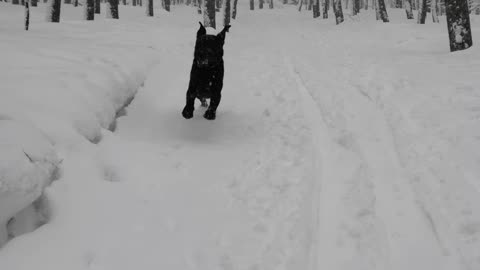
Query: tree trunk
{"x": 75, "y": 3}
{"x": 209, "y": 13}
{"x": 356, "y": 7}
{"x": 167, "y": 5}
{"x": 226, "y": 12}
{"x": 134, "y": 3}
{"x": 270, "y": 4}
{"x": 326, "y": 7}
{"x": 383, "y": 10}
{"x": 234, "y": 12}
{"x": 16, "y": 2}
{"x": 97, "y": 6}
{"x": 112, "y": 9}
{"x": 140, "y": 2}
{"x": 422, "y": 11}
{"x": 316, "y": 9}
{"x": 200, "y": 6}
{"x": 88, "y": 10}
{"x": 218, "y": 5}
{"x": 310, "y": 4}
{"x": 260, "y": 4}
{"x": 27, "y": 15}
{"x": 458, "y": 23}
{"x": 53, "y": 10}
{"x": 408, "y": 9}
{"x": 300, "y": 5}
{"x": 337, "y": 10}
{"x": 33, "y": 3}
{"x": 433, "y": 9}
{"x": 365, "y": 5}
{"x": 149, "y": 8}
{"x": 252, "y": 5}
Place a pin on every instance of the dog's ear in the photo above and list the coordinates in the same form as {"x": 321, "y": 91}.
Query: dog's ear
{"x": 201, "y": 31}
{"x": 221, "y": 35}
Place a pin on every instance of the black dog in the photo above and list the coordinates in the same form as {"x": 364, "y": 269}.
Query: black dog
{"x": 206, "y": 77}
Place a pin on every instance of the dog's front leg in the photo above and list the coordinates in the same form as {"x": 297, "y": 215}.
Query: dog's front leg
{"x": 191, "y": 95}
{"x": 216, "y": 96}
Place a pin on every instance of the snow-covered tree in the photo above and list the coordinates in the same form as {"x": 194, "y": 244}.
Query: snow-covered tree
{"x": 458, "y": 23}
{"x": 337, "y": 11}
{"x": 422, "y": 11}
{"x": 53, "y": 10}
{"x": 382, "y": 10}
{"x": 226, "y": 12}
{"x": 88, "y": 10}
{"x": 150, "y": 8}
{"x": 209, "y": 13}
{"x": 112, "y": 9}
{"x": 234, "y": 11}
{"x": 408, "y": 9}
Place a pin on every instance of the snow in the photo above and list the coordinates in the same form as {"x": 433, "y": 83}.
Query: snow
{"x": 351, "y": 146}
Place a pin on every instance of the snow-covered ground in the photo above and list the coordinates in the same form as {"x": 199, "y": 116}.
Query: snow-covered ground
{"x": 335, "y": 147}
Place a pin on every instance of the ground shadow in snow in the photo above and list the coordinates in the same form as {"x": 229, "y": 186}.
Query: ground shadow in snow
{"x": 229, "y": 127}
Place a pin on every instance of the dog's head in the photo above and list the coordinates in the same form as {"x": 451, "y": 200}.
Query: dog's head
{"x": 209, "y": 48}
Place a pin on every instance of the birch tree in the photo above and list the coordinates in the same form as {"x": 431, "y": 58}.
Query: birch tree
{"x": 422, "y": 11}
{"x": 209, "y": 13}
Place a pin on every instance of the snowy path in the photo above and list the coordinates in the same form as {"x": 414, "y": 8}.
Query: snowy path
{"x": 323, "y": 155}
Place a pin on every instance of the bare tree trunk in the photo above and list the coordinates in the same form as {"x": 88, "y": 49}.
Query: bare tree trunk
{"x": 209, "y": 13}
{"x": 458, "y": 22}
{"x": 16, "y": 2}
{"x": 300, "y": 5}
{"x": 365, "y": 5}
{"x": 433, "y": 9}
{"x": 226, "y": 12}
{"x": 88, "y": 10}
{"x": 252, "y": 5}
{"x": 270, "y": 4}
{"x": 337, "y": 10}
{"x": 356, "y": 7}
{"x": 326, "y": 7}
{"x": 234, "y": 12}
{"x": 149, "y": 10}
{"x": 53, "y": 10}
{"x": 167, "y": 5}
{"x": 97, "y": 6}
{"x": 422, "y": 12}
{"x": 27, "y": 15}
{"x": 408, "y": 9}
{"x": 134, "y": 3}
{"x": 316, "y": 9}
{"x": 33, "y": 3}
{"x": 260, "y": 4}
{"x": 383, "y": 10}
{"x": 112, "y": 9}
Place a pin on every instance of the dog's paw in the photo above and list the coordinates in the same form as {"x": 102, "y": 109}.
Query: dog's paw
{"x": 210, "y": 115}
{"x": 187, "y": 114}
{"x": 204, "y": 103}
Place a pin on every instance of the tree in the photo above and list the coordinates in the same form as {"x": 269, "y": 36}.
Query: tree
{"x": 27, "y": 15}
{"x": 16, "y": 2}
{"x": 408, "y": 9}
{"x": 150, "y": 8}
{"x": 326, "y": 7}
{"x": 53, "y": 10}
{"x": 337, "y": 11}
{"x": 252, "y": 5}
{"x": 260, "y": 4}
{"x": 383, "y": 10}
{"x": 33, "y": 3}
{"x": 433, "y": 9}
{"x": 226, "y": 12}
{"x": 422, "y": 12}
{"x": 316, "y": 9}
{"x": 270, "y": 4}
{"x": 209, "y": 13}
{"x": 112, "y": 9}
{"x": 234, "y": 11}
{"x": 356, "y": 7}
{"x": 88, "y": 11}
{"x": 458, "y": 23}
{"x": 167, "y": 5}
{"x": 97, "y": 6}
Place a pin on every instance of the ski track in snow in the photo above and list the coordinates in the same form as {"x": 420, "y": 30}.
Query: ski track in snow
{"x": 307, "y": 166}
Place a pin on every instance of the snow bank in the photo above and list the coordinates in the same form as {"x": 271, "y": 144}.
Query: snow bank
{"x": 61, "y": 84}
